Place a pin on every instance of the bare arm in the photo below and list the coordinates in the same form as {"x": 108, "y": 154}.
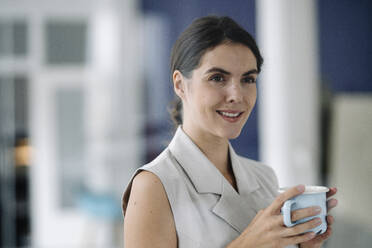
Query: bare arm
{"x": 149, "y": 220}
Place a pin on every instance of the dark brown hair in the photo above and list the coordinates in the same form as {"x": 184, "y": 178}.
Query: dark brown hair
{"x": 203, "y": 34}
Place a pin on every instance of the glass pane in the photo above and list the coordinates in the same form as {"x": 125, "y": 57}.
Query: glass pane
{"x": 21, "y": 103}
{"x": 6, "y": 101}
{"x": 2, "y": 41}
{"x": 7, "y": 190}
{"x": 66, "y": 42}
{"x": 5, "y": 39}
{"x": 19, "y": 38}
{"x": 70, "y": 145}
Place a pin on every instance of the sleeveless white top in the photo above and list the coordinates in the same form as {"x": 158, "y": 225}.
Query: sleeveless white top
{"x": 208, "y": 212}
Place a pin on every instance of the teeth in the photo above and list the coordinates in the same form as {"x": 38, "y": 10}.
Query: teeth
{"x": 229, "y": 114}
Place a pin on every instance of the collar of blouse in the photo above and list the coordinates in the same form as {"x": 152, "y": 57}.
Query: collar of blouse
{"x": 237, "y": 209}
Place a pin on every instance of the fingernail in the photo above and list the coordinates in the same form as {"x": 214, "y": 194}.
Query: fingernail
{"x": 331, "y": 218}
{"x": 317, "y": 210}
{"x": 301, "y": 188}
{"x": 311, "y": 235}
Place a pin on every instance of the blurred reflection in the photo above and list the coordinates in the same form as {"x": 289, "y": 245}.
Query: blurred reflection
{"x": 351, "y": 169}
{"x": 22, "y": 160}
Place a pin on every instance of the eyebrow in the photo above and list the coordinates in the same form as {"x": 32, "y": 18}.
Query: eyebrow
{"x": 220, "y": 70}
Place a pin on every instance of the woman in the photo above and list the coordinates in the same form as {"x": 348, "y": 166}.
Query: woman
{"x": 198, "y": 192}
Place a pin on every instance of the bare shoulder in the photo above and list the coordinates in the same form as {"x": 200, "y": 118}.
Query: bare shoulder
{"x": 149, "y": 220}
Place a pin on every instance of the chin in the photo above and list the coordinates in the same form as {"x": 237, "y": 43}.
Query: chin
{"x": 234, "y": 136}
{"x": 231, "y": 134}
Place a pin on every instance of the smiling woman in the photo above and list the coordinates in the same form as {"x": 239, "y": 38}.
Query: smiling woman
{"x": 198, "y": 192}
{"x": 220, "y": 94}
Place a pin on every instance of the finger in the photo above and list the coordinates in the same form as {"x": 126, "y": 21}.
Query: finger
{"x": 331, "y": 204}
{"x": 331, "y": 192}
{"x": 278, "y": 220}
{"x": 305, "y": 212}
{"x": 302, "y": 238}
{"x": 323, "y": 237}
{"x": 300, "y": 228}
{"x": 280, "y": 199}
{"x": 330, "y": 220}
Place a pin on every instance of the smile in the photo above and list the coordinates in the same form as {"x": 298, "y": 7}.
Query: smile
{"x": 230, "y": 116}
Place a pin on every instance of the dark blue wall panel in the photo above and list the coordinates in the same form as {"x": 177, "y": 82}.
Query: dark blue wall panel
{"x": 346, "y": 44}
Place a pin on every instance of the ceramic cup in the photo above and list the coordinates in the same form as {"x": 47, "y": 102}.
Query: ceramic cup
{"x": 313, "y": 196}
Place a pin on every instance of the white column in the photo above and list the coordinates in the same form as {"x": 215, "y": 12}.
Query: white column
{"x": 289, "y": 89}
{"x": 114, "y": 103}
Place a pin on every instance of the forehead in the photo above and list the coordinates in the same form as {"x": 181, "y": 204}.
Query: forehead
{"x": 232, "y": 57}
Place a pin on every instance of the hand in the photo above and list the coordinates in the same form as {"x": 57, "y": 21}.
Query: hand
{"x": 267, "y": 228}
{"x": 318, "y": 240}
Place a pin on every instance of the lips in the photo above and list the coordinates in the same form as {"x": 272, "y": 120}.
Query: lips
{"x": 230, "y": 115}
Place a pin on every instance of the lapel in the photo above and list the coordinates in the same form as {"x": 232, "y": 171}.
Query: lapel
{"x": 237, "y": 209}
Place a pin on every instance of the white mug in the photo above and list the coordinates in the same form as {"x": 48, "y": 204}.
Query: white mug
{"x": 313, "y": 196}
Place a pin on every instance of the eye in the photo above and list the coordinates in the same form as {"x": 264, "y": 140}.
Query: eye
{"x": 217, "y": 78}
{"x": 249, "y": 80}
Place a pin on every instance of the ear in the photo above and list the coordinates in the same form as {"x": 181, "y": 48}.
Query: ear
{"x": 179, "y": 84}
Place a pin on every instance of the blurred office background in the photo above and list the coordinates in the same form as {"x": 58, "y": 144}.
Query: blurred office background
{"x": 84, "y": 90}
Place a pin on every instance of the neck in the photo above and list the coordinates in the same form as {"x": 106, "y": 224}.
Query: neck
{"x": 216, "y": 149}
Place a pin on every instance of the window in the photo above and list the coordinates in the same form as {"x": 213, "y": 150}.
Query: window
{"x": 65, "y": 42}
{"x": 13, "y": 38}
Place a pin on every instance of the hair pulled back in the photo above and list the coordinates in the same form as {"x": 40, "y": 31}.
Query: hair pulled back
{"x": 203, "y": 34}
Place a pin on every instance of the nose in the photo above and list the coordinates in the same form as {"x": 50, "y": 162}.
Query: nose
{"x": 234, "y": 93}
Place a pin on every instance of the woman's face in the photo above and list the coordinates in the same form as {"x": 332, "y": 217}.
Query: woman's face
{"x": 221, "y": 93}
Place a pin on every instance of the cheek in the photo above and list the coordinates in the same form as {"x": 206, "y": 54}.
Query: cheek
{"x": 251, "y": 96}
{"x": 253, "y": 99}
{"x": 208, "y": 99}
{"x": 212, "y": 101}
{"x": 206, "y": 104}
